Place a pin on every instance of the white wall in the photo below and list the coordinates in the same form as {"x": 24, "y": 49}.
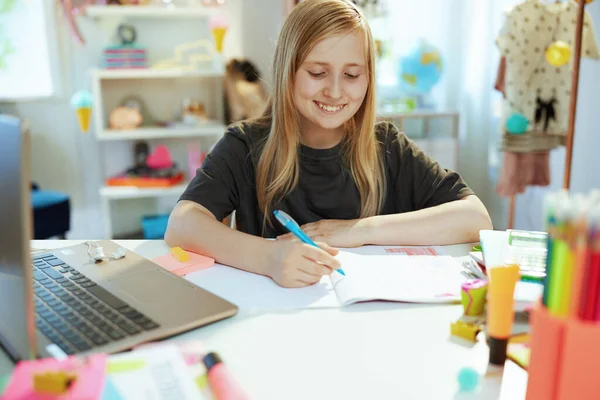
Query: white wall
{"x": 66, "y": 160}
{"x": 584, "y": 170}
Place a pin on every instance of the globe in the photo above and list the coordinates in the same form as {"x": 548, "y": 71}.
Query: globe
{"x": 420, "y": 70}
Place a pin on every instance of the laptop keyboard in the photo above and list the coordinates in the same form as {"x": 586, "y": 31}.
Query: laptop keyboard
{"x": 75, "y": 313}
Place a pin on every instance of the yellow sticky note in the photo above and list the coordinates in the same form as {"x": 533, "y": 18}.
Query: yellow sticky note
{"x": 201, "y": 382}
{"x": 124, "y": 366}
{"x": 179, "y": 254}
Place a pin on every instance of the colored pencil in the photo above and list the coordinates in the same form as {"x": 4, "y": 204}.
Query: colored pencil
{"x": 580, "y": 266}
{"x": 592, "y": 283}
{"x": 549, "y": 205}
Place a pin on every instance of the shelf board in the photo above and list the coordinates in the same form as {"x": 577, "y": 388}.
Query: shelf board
{"x": 209, "y": 129}
{"x": 133, "y": 192}
{"x": 155, "y": 73}
{"x": 149, "y": 11}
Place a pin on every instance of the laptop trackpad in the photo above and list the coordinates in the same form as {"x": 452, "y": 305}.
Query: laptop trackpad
{"x": 154, "y": 287}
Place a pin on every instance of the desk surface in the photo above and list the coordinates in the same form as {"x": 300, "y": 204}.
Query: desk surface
{"x": 373, "y": 350}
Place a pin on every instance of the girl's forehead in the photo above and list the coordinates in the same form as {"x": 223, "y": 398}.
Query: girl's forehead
{"x": 339, "y": 50}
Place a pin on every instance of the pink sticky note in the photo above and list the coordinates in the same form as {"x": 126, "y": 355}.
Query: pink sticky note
{"x": 196, "y": 262}
{"x": 416, "y": 251}
{"x": 89, "y": 384}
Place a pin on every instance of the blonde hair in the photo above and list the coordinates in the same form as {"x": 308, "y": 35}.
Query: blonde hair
{"x": 277, "y": 172}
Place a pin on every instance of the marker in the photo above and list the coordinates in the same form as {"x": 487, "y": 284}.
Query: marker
{"x": 221, "y": 381}
{"x": 501, "y": 294}
{"x": 292, "y": 226}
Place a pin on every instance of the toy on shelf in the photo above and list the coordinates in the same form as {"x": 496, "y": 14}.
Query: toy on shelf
{"x": 160, "y": 158}
{"x": 193, "y": 112}
{"x": 82, "y": 102}
{"x": 218, "y": 28}
{"x": 124, "y": 118}
{"x": 155, "y": 169}
{"x": 127, "y": 54}
{"x": 129, "y": 114}
{"x": 245, "y": 94}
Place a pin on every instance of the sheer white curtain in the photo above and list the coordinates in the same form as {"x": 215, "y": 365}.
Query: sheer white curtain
{"x": 464, "y": 31}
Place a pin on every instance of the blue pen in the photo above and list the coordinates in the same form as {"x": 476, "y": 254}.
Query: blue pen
{"x": 292, "y": 226}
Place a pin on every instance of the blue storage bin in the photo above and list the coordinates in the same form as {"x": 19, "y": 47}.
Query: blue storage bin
{"x": 155, "y": 226}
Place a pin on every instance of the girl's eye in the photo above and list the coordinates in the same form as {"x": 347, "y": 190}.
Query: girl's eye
{"x": 350, "y": 76}
{"x": 316, "y": 74}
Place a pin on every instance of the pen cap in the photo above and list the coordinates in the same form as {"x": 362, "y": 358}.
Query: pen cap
{"x": 210, "y": 360}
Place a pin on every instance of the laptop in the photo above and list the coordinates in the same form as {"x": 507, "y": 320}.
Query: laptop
{"x": 71, "y": 300}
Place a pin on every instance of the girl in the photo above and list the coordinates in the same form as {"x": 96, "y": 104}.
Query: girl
{"x": 318, "y": 155}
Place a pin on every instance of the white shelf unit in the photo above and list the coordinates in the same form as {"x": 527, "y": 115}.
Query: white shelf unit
{"x": 148, "y": 11}
{"x": 156, "y": 73}
{"x": 209, "y": 129}
{"x": 443, "y": 149}
{"x": 132, "y": 192}
{"x": 162, "y": 91}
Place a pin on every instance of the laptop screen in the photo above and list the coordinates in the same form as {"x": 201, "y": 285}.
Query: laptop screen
{"x": 16, "y": 308}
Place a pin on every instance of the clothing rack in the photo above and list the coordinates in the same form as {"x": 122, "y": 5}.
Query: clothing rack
{"x": 574, "y": 89}
{"x": 572, "y": 110}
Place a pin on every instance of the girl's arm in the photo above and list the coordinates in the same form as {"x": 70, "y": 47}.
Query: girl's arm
{"x": 193, "y": 227}
{"x": 292, "y": 264}
{"x": 455, "y": 222}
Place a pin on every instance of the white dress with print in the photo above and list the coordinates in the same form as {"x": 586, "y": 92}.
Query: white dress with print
{"x": 534, "y": 87}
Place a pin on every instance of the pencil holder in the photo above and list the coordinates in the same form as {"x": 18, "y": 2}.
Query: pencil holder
{"x": 565, "y": 358}
{"x": 544, "y": 364}
{"x": 580, "y": 361}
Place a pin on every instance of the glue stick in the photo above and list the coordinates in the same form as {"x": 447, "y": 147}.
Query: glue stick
{"x": 501, "y": 292}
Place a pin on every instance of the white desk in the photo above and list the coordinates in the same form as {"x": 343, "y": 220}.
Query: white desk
{"x": 365, "y": 351}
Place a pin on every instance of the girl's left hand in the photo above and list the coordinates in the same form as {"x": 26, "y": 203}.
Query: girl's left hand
{"x": 334, "y": 232}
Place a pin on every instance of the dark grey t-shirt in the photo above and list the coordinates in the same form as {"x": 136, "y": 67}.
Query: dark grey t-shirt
{"x": 325, "y": 190}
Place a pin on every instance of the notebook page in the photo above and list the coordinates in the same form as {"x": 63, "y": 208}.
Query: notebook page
{"x": 416, "y": 279}
{"x": 252, "y": 292}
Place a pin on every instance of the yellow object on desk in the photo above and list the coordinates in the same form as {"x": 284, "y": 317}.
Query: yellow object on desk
{"x": 179, "y": 254}
{"x": 53, "y": 383}
{"x": 465, "y": 330}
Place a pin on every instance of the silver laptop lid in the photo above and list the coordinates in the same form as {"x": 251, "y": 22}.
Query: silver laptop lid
{"x": 17, "y": 320}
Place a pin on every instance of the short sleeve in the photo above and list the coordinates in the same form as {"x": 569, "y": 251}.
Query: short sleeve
{"x": 505, "y": 39}
{"x": 589, "y": 43}
{"x": 419, "y": 181}
{"x": 216, "y": 185}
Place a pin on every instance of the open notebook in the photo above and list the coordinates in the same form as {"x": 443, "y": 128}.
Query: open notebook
{"x": 415, "y": 279}
{"x": 424, "y": 279}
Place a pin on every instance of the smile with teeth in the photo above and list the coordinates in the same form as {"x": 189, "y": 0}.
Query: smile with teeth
{"x": 330, "y": 109}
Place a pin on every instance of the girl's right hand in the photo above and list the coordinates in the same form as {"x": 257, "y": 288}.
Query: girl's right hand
{"x": 295, "y": 264}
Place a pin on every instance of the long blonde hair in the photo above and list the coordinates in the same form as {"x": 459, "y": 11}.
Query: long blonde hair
{"x": 277, "y": 172}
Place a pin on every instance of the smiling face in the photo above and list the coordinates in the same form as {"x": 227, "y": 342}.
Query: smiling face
{"x": 332, "y": 82}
